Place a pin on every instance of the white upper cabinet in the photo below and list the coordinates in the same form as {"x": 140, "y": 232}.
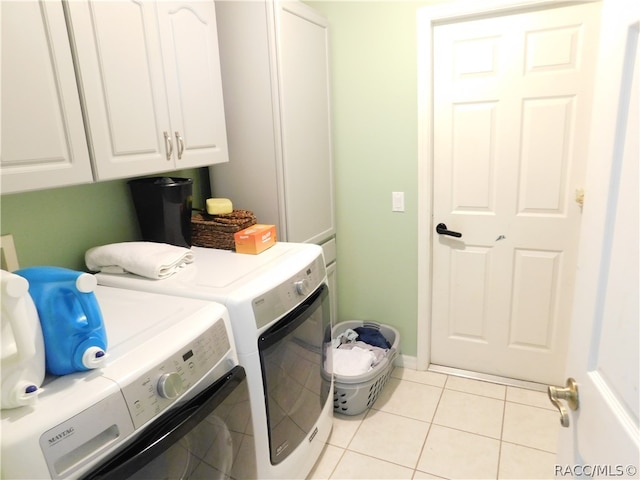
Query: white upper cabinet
{"x": 194, "y": 88}
{"x": 150, "y": 79}
{"x": 42, "y": 137}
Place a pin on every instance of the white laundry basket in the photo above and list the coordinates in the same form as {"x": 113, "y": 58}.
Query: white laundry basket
{"x": 353, "y": 394}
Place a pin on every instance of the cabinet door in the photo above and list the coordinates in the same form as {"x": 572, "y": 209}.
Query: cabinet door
{"x": 332, "y": 278}
{"x": 330, "y": 252}
{"x": 302, "y": 37}
{"x": 120, "y": 65}
{"x": 42, "y": 139}
{"x": 189, "y": 39}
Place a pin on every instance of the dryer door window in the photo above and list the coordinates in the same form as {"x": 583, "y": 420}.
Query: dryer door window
{"x": 292, "y": 354}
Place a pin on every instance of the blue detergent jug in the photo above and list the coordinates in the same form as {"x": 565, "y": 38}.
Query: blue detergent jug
{"x": 72, "y": 326}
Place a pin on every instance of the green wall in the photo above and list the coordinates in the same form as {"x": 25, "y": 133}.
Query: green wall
{"x": 375, "y": 125}
{"x": 56, "y": 226}
{"x": 374, "y": 87}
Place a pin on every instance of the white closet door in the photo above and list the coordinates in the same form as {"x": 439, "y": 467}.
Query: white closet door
{"x": 306, "y": 132}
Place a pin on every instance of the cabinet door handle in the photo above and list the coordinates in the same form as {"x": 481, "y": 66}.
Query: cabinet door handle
{"x": 168, "y": 144}
{"x": 180, "y": 143}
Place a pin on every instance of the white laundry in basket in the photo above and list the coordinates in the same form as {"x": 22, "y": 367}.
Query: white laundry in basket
{"x": 353, "y": 361}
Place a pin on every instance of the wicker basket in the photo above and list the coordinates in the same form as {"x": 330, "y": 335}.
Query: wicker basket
{"x": 354, "y": 394}
{"x": 216, "y": 231}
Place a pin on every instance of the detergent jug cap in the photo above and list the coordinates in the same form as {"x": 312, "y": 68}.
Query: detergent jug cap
{"x": 25, "y": 394}
{"x": 13, "y": 285}
{"x": 86, "y": 283}
{"x": 94, "y": 357}
{"x": 29, "y": 394}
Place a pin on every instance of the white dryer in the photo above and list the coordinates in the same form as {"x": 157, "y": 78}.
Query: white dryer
{"x": 171, "y": 398}
{"x": 279, "y": 307}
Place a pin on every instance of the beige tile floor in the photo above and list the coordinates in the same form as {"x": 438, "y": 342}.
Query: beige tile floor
{"x": 430, "y": 425}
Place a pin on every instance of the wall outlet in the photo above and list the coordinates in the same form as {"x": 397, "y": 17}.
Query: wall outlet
{"x": 397, "y": 201}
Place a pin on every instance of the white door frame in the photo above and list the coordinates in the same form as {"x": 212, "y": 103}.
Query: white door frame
{"x": 427, "y": 18}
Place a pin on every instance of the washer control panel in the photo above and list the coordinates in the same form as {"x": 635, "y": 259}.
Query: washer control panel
{"x": 161, "y": 385}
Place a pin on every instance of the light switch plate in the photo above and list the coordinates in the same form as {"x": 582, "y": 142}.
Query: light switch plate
{"x": 397, "y": 201}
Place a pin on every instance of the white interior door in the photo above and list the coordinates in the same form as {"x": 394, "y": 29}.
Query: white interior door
{"x": 603, "y": 438}
{"x": 511, "y": 109}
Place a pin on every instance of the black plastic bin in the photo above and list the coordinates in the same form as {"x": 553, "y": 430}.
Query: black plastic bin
{"x": 163, "y": 207}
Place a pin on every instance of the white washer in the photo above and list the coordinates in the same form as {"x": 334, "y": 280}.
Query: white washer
{"x": 166, "y": 355}
{"x": 278, "y": 303}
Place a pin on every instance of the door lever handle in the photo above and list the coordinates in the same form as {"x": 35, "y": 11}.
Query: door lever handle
{"x": 441, "y": 229}
{"x": 568, "y": 393}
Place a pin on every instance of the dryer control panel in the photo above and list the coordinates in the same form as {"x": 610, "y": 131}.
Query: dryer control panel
{"x": 289, "y": 294}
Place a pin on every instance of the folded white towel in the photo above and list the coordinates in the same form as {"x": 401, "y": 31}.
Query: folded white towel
{"x": 148, "y": 259}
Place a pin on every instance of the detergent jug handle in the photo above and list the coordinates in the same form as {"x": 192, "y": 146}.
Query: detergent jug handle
{"x": 15, "y": 289}
{"x": 86, "y": 284}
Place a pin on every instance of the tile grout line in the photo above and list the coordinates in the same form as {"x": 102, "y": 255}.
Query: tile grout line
{"x": 335, "y": 467}
{"x": 431, "y": 423}
{"x": 375, "y": 458}
{"x": 504, "y": 414}
{"x": 528, "y": 447}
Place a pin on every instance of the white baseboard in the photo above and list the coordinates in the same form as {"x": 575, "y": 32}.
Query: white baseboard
{"x": 411, "y": 362}
{"x": 406, "y": 361}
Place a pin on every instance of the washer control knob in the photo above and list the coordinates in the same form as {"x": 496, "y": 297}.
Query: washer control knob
{"x": 302, "y": 287}
{"x": 170, "y": 385}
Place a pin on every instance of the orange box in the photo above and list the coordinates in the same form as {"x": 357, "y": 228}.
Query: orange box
{"x": 255, "y": 239}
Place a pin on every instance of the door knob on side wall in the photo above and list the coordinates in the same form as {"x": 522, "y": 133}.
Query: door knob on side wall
{"x": 568, "y": 393}
{"x": 441, "y": 229}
